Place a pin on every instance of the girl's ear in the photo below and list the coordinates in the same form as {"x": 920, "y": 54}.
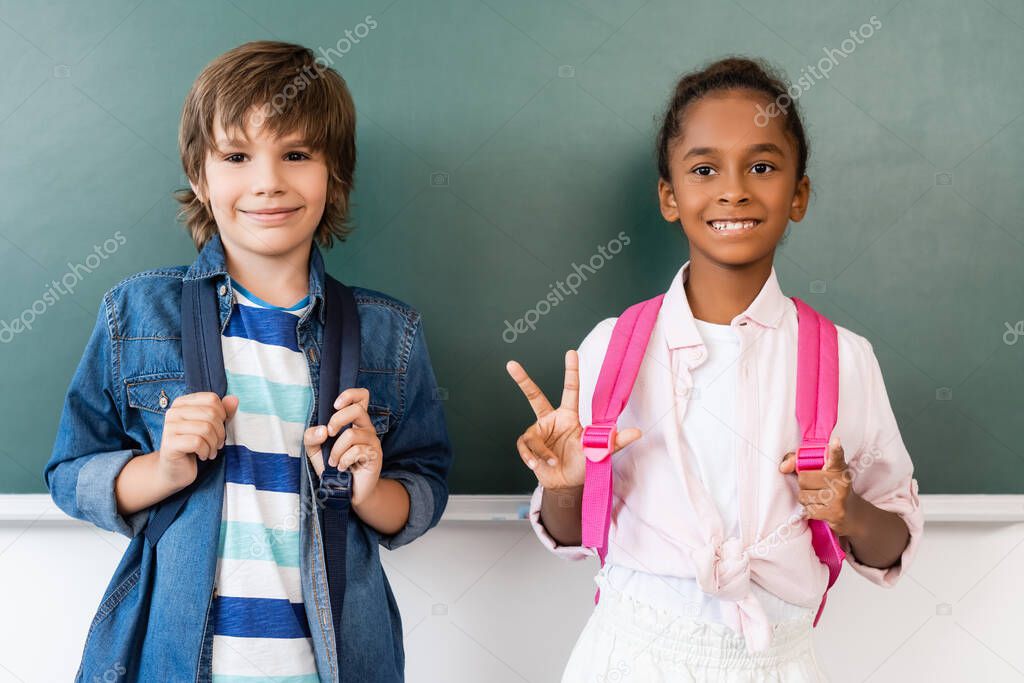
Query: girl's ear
{"x": 667, "y": 201}
{"x": 802, "y": 195}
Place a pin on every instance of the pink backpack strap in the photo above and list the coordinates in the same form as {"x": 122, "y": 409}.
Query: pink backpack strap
{"x": 817, "y": 403}
{"x": 621, "y": 364}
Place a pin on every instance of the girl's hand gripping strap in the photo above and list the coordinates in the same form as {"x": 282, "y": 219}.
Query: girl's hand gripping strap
{"x": 817, "y": 402}
{"x": 614, "y": 383}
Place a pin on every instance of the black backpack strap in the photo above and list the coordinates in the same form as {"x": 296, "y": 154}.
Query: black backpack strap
{"x": 339, "y": 365}
{"x": 204, "y": 371}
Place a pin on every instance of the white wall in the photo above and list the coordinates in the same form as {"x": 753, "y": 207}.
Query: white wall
{"x": 483, "y": 601}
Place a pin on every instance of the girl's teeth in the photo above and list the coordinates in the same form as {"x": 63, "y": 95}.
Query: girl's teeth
{"x": 722, "y": 225}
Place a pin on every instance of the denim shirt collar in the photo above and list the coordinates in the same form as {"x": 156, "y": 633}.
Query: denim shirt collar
{"x": 211, "y": 263}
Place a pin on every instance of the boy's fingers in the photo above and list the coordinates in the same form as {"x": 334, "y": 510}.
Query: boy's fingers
{"x": 538, "y": 401}
{"x": 230, "y": 404}
{"x": 355, "y": 395}
{"x": 571, "y": 386}
{"x": 312, "y": 438}
{"x": 350, "y": 414}
{"x": 351, "y": 438}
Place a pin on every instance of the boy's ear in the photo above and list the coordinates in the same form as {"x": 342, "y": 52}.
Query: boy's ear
{"x": 196, "y": 192}
{"x": 667, "y": 201}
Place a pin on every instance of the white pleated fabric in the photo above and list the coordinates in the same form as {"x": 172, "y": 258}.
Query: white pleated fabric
{"x": 625, "y": 640}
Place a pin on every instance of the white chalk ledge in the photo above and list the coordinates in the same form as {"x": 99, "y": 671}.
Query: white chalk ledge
{"x": 39, "y": 507}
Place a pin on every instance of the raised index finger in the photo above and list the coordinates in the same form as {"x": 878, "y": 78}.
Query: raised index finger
{"x": 538, "y": 401}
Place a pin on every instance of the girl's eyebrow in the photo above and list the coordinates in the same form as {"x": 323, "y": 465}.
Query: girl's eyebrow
{"x": 761, "y": 147}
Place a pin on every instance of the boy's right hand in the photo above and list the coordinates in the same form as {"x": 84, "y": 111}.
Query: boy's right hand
{"x": 551, "y": 447}
{"x": 193, "y": 427}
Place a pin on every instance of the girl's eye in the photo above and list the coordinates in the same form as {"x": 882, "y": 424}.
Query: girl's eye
{"x": 763, "y": 163}
{"x": 699, "y": 168}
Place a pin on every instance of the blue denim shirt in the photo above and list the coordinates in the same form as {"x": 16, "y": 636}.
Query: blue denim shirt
{"x": 131, "y": 372}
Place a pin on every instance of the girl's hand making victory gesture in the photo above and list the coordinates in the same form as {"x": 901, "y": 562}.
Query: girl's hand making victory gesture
{"x": 551, "y": 446}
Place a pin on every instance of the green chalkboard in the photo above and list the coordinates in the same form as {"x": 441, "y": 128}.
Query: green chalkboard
{"x": 501, "y": 144}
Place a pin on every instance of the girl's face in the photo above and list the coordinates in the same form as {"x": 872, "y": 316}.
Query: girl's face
{"x": 725, "y": 167}
{"x": 267, "y": 193}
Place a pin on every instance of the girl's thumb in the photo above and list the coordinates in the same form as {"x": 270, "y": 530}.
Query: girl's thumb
{"x": 626, "y": 437}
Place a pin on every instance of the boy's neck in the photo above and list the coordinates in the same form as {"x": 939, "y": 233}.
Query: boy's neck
{"x": 280, "y": 280}
{"x": 718, "y": 293}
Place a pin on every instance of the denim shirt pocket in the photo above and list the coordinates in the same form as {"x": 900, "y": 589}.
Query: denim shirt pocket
{"x": 380, "y": 416}
{"x": 151, "y": 395}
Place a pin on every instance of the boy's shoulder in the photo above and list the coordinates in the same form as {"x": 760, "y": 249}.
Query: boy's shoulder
{"x": 370, "y": 299}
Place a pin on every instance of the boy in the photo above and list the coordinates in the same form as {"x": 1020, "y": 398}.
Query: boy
{"x": 239, "y": 590}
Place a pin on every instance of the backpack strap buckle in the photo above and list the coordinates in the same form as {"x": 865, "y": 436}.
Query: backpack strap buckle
{"x": 335, "y": 488}
{"x": 598, "y": 441}
{"x": 811, "y": 454}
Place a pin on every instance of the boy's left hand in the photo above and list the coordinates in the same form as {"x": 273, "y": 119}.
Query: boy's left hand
{"x": 826, "y": 494}
{"x": 357, "y": 449}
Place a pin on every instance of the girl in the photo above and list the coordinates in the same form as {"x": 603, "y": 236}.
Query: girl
{"x": 710, "y": 571}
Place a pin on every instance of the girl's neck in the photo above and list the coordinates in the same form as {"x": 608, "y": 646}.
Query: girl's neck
{"x": 717, "y": 293}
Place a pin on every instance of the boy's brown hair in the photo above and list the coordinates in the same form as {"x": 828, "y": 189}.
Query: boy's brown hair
{"x": 284, "y": 87}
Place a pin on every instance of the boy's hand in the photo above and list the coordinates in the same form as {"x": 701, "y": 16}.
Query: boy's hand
{"x": 358, "y": 449}
{"x": 826, "y": 494}
{"x": 551, "y": 446}
{"x": 193, "y": 428}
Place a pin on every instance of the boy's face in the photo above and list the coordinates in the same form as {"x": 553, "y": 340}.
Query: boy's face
{"x": 267, "y": 194}
{"x": 726, "y": 166}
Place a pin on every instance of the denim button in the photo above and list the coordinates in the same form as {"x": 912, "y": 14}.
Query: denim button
{"x": 222, "y": 290}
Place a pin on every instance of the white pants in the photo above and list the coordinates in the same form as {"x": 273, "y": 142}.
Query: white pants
{"x": 626, "y": 641}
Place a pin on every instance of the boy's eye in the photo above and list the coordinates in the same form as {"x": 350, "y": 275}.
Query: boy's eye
{"x": 238, "y": 157}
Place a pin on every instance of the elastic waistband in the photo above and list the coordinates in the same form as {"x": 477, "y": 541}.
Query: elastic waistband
{"x": 676, "y": 638}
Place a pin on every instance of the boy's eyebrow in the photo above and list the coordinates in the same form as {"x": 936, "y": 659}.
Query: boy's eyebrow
{"x": 761, "y": 147}
{"x": 240, "y": 142}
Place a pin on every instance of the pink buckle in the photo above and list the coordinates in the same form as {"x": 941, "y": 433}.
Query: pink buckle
{"x": 598, "y": 441}
{"x": 811, "y": 454}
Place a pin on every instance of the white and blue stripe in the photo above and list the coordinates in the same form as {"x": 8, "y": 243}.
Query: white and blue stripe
{"x": 260, "y": 630}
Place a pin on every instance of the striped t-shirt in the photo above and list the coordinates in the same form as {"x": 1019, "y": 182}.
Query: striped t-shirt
{"x": 260, "y": 630}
